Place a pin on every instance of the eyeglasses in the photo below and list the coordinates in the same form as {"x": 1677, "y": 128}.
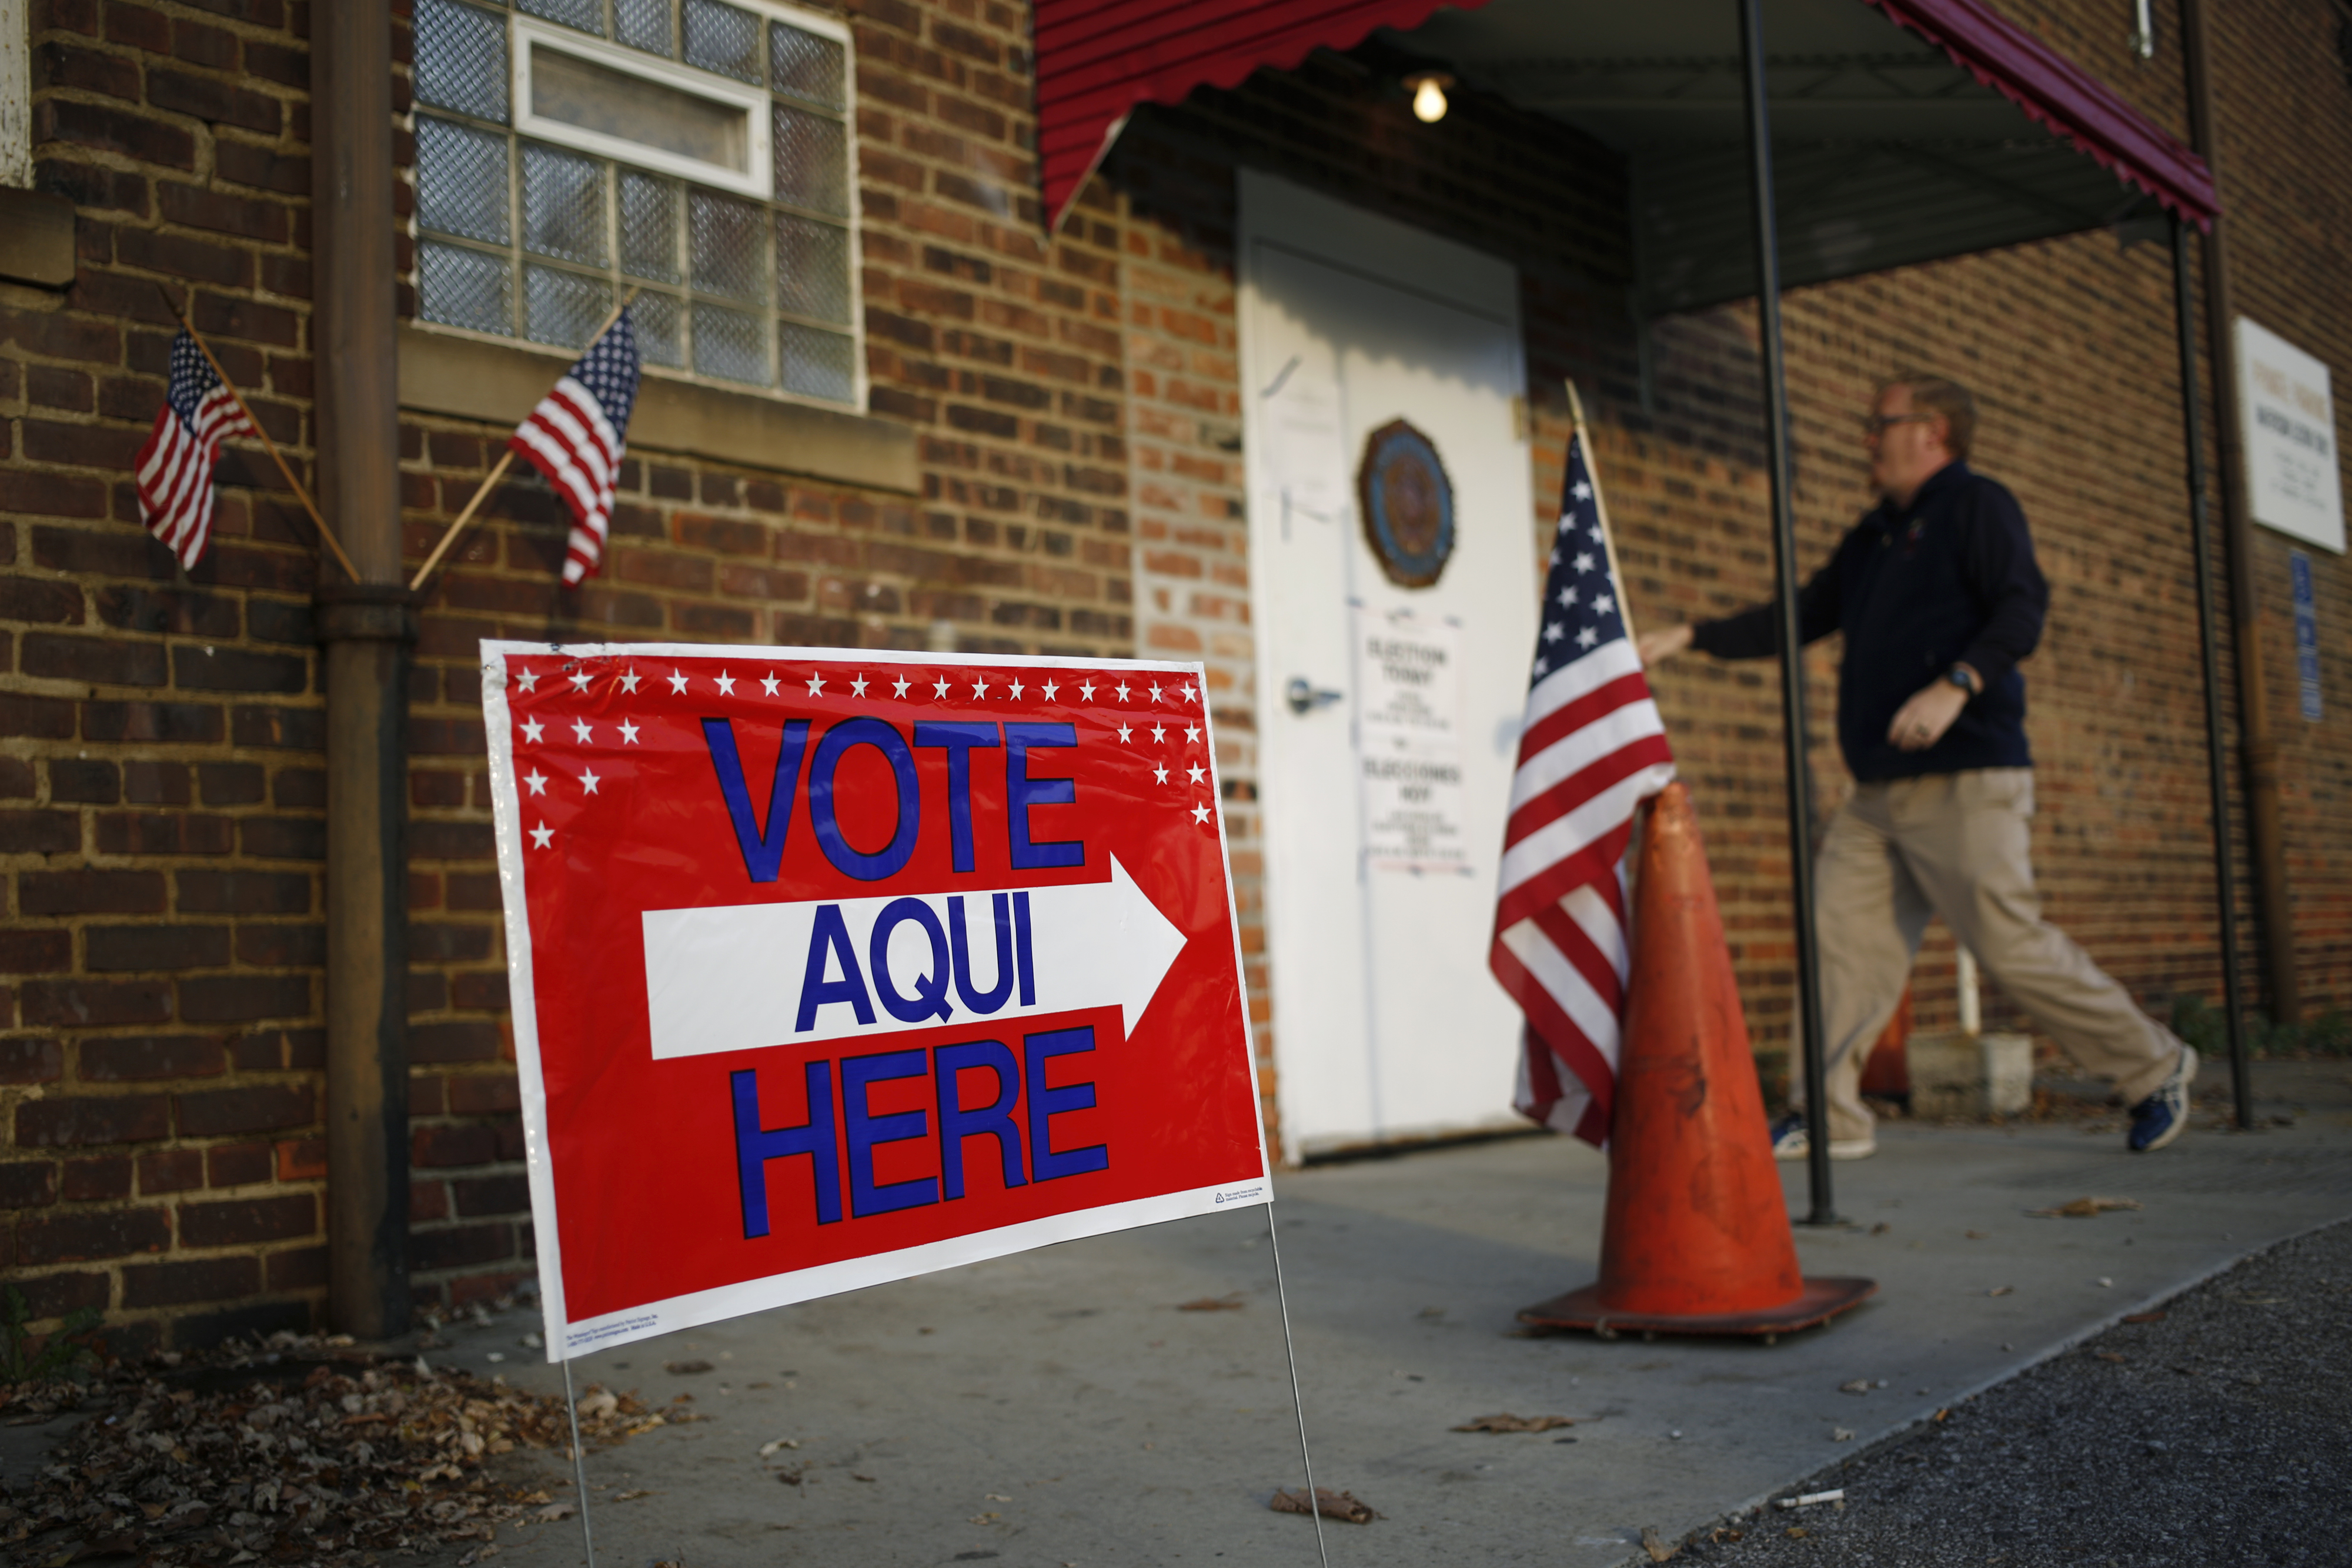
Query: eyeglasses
{"x": 1878, "y": 425}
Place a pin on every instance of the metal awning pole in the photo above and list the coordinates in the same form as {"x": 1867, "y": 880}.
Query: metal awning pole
{"x": 2185, "y": 313}
{"x": 1792, "y": 653}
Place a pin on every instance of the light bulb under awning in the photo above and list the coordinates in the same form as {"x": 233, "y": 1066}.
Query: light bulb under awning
{"x": 1429, "y": 96}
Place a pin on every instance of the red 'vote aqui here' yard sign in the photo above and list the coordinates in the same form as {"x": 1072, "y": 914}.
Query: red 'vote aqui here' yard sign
{"x": 830, "y": 968}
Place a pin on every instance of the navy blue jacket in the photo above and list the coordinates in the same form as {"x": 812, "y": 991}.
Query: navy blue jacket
{"x": 1951, "y": 578}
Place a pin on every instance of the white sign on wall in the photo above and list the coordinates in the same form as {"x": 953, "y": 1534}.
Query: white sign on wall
{"x": 2293, "y": 480}
{"x": 1408, "y": 740}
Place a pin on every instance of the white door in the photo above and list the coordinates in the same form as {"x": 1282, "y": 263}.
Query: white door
{"x": 1387, "y": 1025}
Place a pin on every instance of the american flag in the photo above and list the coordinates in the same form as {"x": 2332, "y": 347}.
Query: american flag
{"x": 1593, "y": 748}
{"x": 575, "y": 436}
{"x": 175, "y": 466}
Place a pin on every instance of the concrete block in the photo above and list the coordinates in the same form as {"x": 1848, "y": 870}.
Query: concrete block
{"x": 1970, "y": 1075}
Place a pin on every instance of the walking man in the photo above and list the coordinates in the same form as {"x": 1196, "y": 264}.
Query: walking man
{"x": 1940, "y": 599}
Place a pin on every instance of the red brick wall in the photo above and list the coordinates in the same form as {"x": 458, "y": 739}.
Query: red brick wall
{"x": 161, "y": 787}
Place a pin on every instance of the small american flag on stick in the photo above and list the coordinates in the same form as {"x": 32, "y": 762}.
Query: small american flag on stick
{"x": 175, "y": 466}
{"x": 575, "y": 438}
{"x": 1591, "y": 750}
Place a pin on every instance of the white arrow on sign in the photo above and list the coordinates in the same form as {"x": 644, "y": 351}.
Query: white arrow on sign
{"x": 730, "y": 979}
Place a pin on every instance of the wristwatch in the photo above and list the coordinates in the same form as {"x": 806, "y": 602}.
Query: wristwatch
{"x": 1958, "y": 674}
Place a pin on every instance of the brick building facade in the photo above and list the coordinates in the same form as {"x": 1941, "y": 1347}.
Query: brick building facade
{"x": 1049, "y": 460}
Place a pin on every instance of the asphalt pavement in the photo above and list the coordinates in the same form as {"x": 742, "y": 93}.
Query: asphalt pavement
{"x": 2216, "y": 1433}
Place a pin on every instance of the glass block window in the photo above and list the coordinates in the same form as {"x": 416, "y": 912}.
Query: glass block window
{"x": 698, "y": 151}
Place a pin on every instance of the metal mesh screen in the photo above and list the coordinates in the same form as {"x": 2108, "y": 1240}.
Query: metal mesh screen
{"x": 588, "y": 16}
{"x": 819, "y": 363}
{"x": 461, "y": 181}
{"x": 465, "y": 288}
{"x": 741, "y": 261}
{"x": 563, "y": 204}
{"x": 805, "y": 64}
{"x": 725, "y": 247}
{"x": 461, "y": 58}
{"x": 649, "y": 226}
{"x": 812, "y": 162}
{"x": 661, "y": 330}
{"x": 731, "y": 343}
{"x": 811, "y": 268}
{"x": 722, "y": 39}
{"x": 644, "y": 25}
{"x": 562, "y": 307}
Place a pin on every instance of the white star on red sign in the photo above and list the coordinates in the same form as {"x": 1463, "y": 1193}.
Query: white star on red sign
{"x": 628, "y": 733}
{"x": 629, "y": 681}
{"x": 532, "y": 729}
{"x": 678, "y": 682}
{"x": 1161, "y": 772}
{"x": 1017, "y": 691}
{"x": 1050, "y": 689}
{"x": 769, "y": 684}
{"x": 898, "y": 687}
{"x": 1155, "y": 694}
{"x": 537, "y": 780}
{"x": 1200, "y": 813}
{"x": 1122, "y": 691}
{"x": 1192, "y": 732}
{"x": 580, "y": 680}
{"x": 1123, "y": 733}
{"x": 527, "y": 679}
{"x": 857, "y": 686}
{"x": 579, "y": 728}
{"x": 726, "y": 684}
{"x": 980, "y": 688}
{"x": 589, "y": 780}
{"x": 816, "y": 685}
{"x": 1198, "y": 772}
{"x": 939, "y": 688}
{"x": 541, "y": 835}
{"x": 1086, "y": 692}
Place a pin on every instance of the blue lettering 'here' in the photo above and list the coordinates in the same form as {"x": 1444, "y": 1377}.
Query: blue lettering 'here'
{"x": 756, "y": 1146}
{"x": 862, "y": 1131}
{"x": 993, "y": 1120}
{"x": 1044, "y": 1104}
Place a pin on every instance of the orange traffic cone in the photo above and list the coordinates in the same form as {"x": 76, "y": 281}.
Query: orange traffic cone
{"x": 1697, "y": 1238}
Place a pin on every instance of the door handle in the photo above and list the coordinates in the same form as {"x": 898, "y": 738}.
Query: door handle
{"x": 1305, "y": 698}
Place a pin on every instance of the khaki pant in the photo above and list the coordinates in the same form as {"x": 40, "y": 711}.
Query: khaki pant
{"x": 1954, "y": 844}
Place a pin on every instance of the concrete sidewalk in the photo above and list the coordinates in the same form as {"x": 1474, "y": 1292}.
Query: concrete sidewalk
{"x": 1058, "y": 1407}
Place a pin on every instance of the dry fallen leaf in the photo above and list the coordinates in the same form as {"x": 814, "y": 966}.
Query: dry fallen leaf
{"x": 1859, "y": 1385}
{"x": 1980, "y": 1235}
{"x": 1507, "y": 1422}
{"x": 2155, "y": 1317}
{"x": 686, "y": 1368}
{"x": 1658, "y": 1550}
{"x": 1840, "y": 1435}
{"x": 632, "y": 1496}
{"x": 2001, "y": 1290}
{"x": 553, "y": 1513}
{"x": 1232, "y": 1303}
{"x": 1341, "y": 1505}
{"x": 2107, "y": 1355}
{"x": 1796, "y": 1532}
{"x": 981, "y": 1518}
{"x": 2083, "y": 1208}
{"x": 768, "y": 1448}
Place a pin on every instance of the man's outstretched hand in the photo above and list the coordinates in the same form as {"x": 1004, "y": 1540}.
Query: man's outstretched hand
{"x": 1662, "y": 643}
{"x": 1921, "y": 722}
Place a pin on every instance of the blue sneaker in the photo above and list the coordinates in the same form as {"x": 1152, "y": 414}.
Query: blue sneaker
{"x": 2164, "y": 1115}
{"x": 1791, "y": 1141}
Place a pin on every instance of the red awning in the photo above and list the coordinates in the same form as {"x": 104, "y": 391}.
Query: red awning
{"x": 1097, "y": 59}
{"x": 2058, "y": 93}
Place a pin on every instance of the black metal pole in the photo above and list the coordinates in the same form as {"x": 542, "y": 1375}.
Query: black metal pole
{"x": 1792, "y": 653}
{"x": 2185, "y": 313}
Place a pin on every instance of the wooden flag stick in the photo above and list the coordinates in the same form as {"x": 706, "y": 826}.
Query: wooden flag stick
{"x": 1600, "y": 508}
{"x": 492, "y": 477}
{"x": 268, "y": 445}
{"x": 505, "y": 461}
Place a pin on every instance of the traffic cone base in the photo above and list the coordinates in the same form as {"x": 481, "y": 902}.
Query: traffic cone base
{"x": 1696, "y": 1239}
{"x": 1823, "y": 1298}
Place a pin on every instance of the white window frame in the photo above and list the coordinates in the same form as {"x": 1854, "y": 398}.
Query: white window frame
{"x": 709, "y": 84}
{"x": 758, "y": 181}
